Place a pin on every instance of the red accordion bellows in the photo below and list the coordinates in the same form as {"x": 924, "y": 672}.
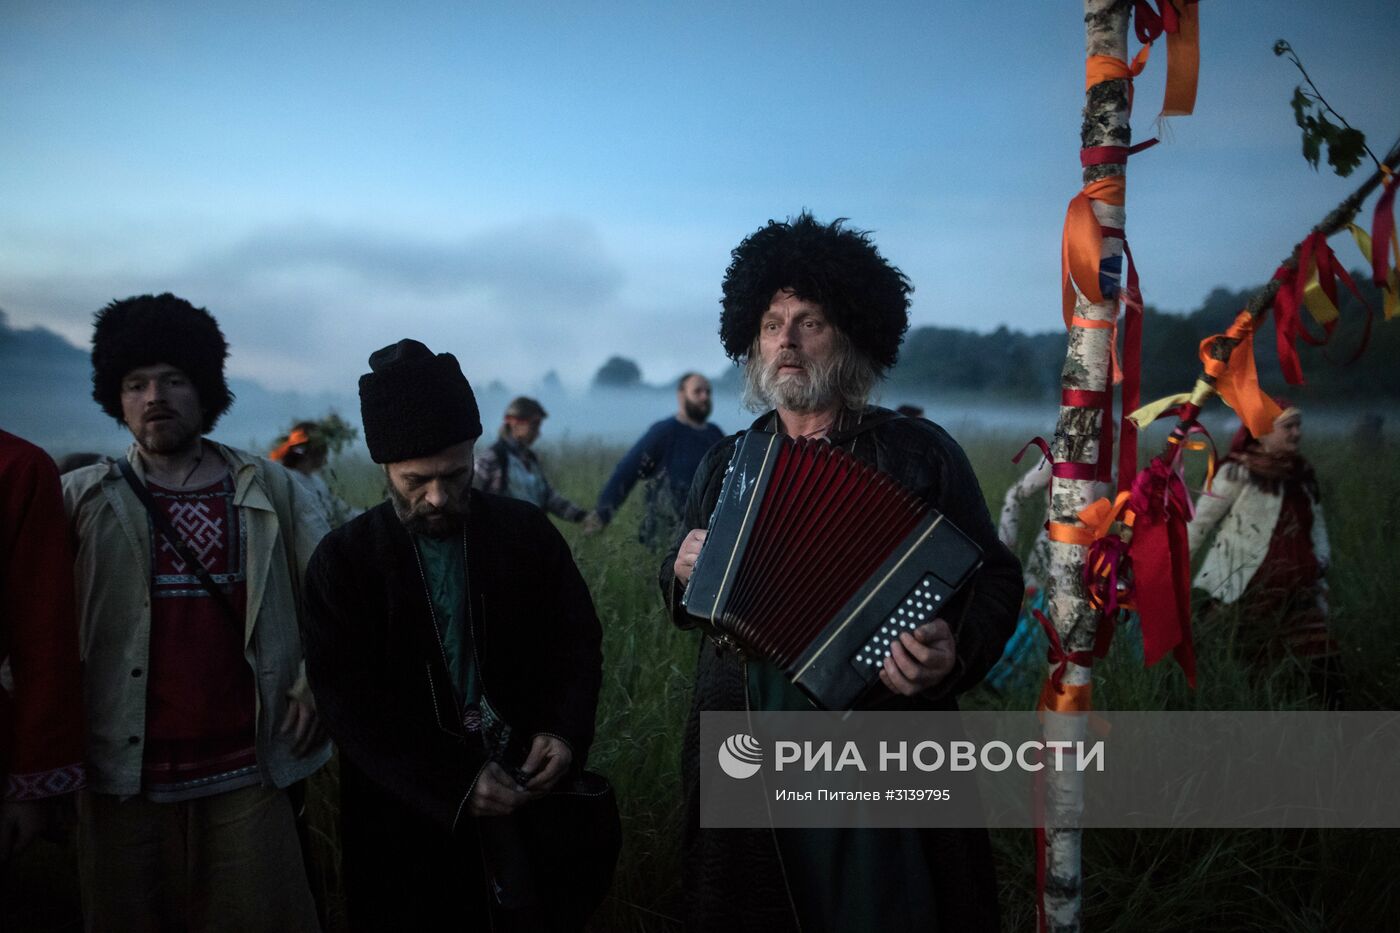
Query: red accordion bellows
{"x": 817, "y": 562}
{"x": 826, "y": 522}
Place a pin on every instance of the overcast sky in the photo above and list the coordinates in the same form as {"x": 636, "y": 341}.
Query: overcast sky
{"x": 535, "y": 186}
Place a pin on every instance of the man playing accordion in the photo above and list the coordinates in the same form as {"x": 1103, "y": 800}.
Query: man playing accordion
{"x": 815, "y": 315}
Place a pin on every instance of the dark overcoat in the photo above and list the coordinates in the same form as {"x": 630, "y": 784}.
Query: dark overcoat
{"x": 381, "y": 683}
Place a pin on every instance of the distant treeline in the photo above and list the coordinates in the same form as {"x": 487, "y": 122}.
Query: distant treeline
{"x": 1028, "y": 365}
{"x": 1013, "y": 364}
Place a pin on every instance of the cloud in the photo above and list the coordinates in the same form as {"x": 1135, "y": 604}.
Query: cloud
{"x": 562, "y": 259}
{"x": 303, "y": 305}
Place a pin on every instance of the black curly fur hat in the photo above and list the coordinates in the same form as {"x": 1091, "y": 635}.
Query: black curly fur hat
{"x": 148, "y": 329}
{"x": 835, "y": 266}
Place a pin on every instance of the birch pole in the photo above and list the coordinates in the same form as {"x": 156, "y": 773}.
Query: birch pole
{"x": 1077, "y": 440}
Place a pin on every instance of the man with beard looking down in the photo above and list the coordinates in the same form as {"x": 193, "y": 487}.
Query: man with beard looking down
{"x": 455, "y": 653}
{"x": 666, "y": 456}
{"x": 815, "y": 315}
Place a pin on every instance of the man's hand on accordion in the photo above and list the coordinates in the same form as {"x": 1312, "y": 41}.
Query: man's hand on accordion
{"x": 919, "y": 659}
{"x": 685, "y": 557}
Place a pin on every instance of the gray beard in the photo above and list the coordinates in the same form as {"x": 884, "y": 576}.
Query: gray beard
{"x": 815, "y": 390}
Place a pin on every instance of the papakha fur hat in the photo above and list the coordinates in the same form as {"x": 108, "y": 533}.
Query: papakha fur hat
{"x": 833, "y": 265}
{"x": 414, "y": 403}
{"x": 146, "y": 330}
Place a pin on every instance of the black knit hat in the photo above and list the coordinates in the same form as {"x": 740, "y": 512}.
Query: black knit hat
{"x": 414, "y": 404}
{"x": 834, "y": 266}
{"x": 146, "y": 330}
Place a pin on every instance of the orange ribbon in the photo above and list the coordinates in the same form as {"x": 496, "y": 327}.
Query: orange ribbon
{"x": 1237, "y": 380}
{"x": 1081, "y": 246}
{"x": 1069, "y": 534}
{"x": 1100, "y": 515}
{"x": 295, "y": 439}
{"x": 1069, "y": 698}
{"x": 1183, "y": 63}
{"x": 1097, "y": 519}
{"x": 1101, "y": 68}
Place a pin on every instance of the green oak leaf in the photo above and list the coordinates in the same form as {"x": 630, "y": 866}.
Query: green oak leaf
{"x": 1345, "y": 150}
{"x": 1300, "y": 105}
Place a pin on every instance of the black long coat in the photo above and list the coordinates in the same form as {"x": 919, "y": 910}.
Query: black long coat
{"x": 382, "y": 688}
{"x": 733, "y": 877}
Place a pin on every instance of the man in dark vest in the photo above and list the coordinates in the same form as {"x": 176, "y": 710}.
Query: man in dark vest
{"x": 816, "y": 315}
{"x": 455, "y": 654}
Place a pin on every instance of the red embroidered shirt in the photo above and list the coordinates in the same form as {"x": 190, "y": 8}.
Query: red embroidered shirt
{"x": 200, "y": 695}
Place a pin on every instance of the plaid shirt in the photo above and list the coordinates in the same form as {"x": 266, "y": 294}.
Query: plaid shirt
{"x": 508, "y": 468}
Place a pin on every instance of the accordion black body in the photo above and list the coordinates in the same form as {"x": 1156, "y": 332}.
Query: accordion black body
{"x": 816, "y": 562}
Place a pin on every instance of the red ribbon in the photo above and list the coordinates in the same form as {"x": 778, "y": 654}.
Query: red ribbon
{"x": 1288, "y": 303}
{"x": 1038, "y": 442}
{"x": 1112, "y": 155}
{"x": 1102, "y": 468}
{"x": 1057, "y": 655}
{"x": 1182, "y": 28}
{"x": 1149, "y": 23}
{"x": 1162, "y": 565}
{"x": 1382, "y": 229}
{"x": 1329, "y": 269}
{"x": 1061, "y": 470}
{"x": 1132, "y": 365}
{"x": 1039, "y": 795}
{"x": 1108, "y": 554}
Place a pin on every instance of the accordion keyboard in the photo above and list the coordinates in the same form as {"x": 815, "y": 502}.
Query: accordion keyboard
{"x": 918, "y": 607}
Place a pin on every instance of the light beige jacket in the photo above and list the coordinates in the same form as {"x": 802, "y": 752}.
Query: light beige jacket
{"x": 113, "y": 573}
{"x": 1246, "y": 516}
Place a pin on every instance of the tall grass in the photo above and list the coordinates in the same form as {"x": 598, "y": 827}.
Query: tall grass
{"x": 1289, "y": 880}
{"x": 1135, "y": 880}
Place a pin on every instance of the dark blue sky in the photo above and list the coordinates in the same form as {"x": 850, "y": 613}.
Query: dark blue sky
{"x": 535, "y": 186}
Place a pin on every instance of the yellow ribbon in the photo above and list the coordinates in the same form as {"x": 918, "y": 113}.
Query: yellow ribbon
{"x": 1154, "y": 410}
{"x": 1391, "y": 292}
{"x": 1318, "y": 304}
{"x": 1200, "y": 393}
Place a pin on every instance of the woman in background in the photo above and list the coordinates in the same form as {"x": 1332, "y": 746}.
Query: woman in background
{"x": 304, "y": 451}
{"x": 1269, "y": 558}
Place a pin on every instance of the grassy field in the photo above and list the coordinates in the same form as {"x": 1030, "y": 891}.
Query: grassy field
{"x": 1135, "y": 880}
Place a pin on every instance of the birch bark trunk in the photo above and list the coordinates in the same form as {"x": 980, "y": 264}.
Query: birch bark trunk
{"x": 1106, "y": 116}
